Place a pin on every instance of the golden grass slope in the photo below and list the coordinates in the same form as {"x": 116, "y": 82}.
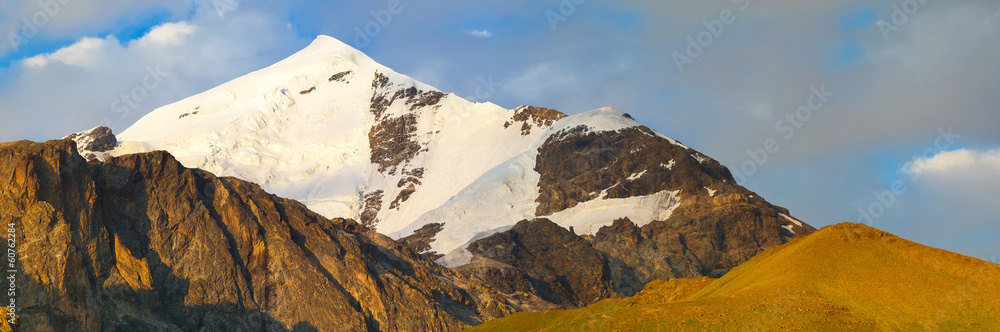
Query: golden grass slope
{"x": 846, "y": 277}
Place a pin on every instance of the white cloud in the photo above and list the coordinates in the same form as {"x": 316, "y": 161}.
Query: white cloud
{"x": 70, "y": 18}
{"x": 960, "y": 162}
{"x": 953, "y": 202}
{"x": 481, "y": 33}
{"x": 92, "y": 52}
{"x": 86, "y": 83}
{"x": 83, "y": 53}
{"x": 167, "y": 34}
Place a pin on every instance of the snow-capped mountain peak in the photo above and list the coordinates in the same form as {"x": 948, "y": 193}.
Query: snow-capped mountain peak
{"x": 348, "y": 137}
{"x": 331, "y": 127}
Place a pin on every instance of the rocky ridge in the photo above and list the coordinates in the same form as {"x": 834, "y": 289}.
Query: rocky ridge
{"x": 139, "y": 242}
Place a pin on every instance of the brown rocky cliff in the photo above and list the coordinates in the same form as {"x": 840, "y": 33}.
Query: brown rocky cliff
{"x": 142, "y": 243}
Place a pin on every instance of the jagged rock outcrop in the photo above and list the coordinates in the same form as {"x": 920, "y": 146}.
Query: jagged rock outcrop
{"x": 141, "y": 243}
{"x": 95, "y": 141}
{"x": 530, "y": 116}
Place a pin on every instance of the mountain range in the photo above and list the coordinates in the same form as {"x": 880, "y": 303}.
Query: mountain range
{"x": 350, "y": 138}
{"x": 328, "y": 192}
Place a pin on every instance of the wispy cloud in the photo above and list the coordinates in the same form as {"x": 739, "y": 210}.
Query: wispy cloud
{"x": 480, "y": 33}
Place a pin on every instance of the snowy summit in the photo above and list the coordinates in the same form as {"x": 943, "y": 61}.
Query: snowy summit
{"x": 351, "y": 138}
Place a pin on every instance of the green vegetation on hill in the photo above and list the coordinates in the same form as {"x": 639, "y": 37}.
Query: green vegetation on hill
{"x": 843, "y": 277}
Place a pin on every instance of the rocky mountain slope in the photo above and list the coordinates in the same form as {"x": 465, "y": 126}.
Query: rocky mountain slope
{"x": 141, "y": 243}
{"x": 350, "y": 138}
{"x": 847, "y": 277}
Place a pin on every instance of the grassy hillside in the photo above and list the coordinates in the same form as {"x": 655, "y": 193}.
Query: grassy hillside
{"x": 843, "y": 277}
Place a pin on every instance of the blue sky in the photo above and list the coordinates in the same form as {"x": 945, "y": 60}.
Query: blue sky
{"x": 897, "y": 78}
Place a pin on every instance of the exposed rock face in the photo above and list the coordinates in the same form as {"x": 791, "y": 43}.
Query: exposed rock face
{"x": 393, "y": 142}
{"x": 140, "y": 243}
{"x": 530, "y": 116}
{"x": 187, "y": 115}
{"x": 421, "y": 239}
{"x": 393, "y": 138}
{"x": 412, "y": 177}
{"x": 402, "y": 197}
{"x": 373, "y": 203}
{"x": 540, "y": 258}
{"x": 417, "y": 99}
{"x": 577, "y": 165}
{"x": 380, "y": 101}
{"x": 386, "y": 94}
{"x": 99, "y": 139}
{"x": 538, "y": 265}
{"x": 341, "y": 76}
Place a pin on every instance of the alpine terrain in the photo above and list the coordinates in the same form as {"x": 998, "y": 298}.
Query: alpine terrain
{"x": 350, "y": 138}
{"x": 329, "y": 192}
